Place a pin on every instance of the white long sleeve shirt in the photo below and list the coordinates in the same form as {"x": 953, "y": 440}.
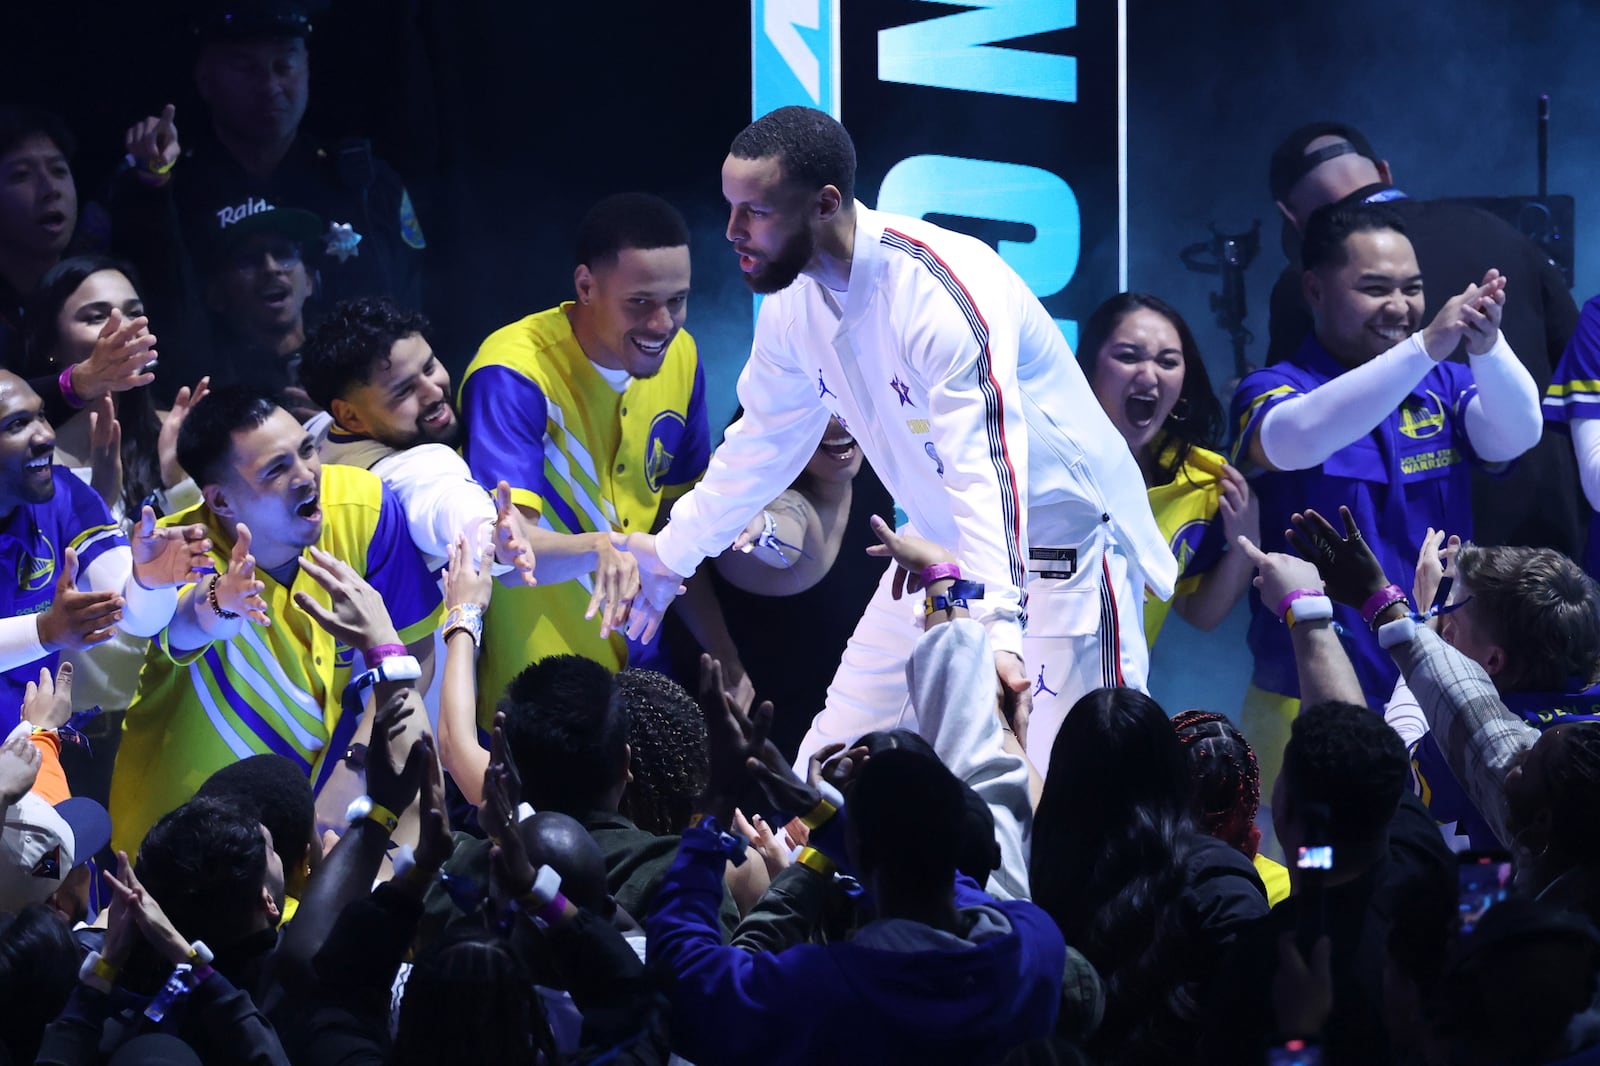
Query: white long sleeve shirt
{"x": 964, "y": 396}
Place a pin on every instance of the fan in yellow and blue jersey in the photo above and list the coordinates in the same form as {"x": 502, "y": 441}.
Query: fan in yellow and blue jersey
{"x": 1574, "y": 396}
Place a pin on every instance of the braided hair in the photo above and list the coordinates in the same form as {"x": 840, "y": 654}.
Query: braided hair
{"x": 668, "y": 755}
{"x": 1225, "y": 780}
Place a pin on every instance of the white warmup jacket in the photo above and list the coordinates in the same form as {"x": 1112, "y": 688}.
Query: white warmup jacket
{"x": 965, "y": 398}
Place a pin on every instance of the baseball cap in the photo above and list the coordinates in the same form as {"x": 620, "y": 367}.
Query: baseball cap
{"x": 237, "y": 223}
{"x": 253, "y": 20}
{"x": 41, "y": 844}
{"x": 1290, "y": 162}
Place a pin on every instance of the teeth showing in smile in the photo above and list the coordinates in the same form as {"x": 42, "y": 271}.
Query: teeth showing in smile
{"x": 650, "y": 349}
{"x": 41, "y": 463}
{"x": 1393, "y": 334}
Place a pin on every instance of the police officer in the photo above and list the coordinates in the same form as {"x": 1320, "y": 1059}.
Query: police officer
{"x": 252, "y": 71}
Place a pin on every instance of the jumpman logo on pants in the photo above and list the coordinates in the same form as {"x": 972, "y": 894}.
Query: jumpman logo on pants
{"x": 822, "y": 388}
{"x": 1039, "y": 685}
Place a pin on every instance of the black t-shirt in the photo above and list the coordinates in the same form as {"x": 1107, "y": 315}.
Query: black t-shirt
{"x": 791, "y": 645}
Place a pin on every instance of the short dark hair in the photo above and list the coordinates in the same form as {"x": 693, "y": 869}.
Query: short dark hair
{"x": 1331, "y": 225}
{"x": 667, "y": 751}
{"x": 1345, "y": 762}
{"x": 567, "y": 735}
{"x": 1289, "y": 163}
{"x": 471, "y": 998}
{"x": 18, "y": 123}
{"x": 901, "y": 810}
{"x": 206, "y": 863}
{"x": 1204, "y": 423}
{"x": 1540, "y": 607}
{"x": 38, "y": 970}
{"x": 811, "y": 146}
{"x": 628, "y": 220}
{"x": 352, "y": 340}
{"x": 272, "y": 790}
{"x": 205, "y": 441}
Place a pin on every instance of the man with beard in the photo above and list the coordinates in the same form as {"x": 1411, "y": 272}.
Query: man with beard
{"x": 594, "y": 412}
{"x": 387, "y": 409}
{"x": 964, "y": 397}
{"x": 77, "y": 577}
{"x": 312, "y": 567}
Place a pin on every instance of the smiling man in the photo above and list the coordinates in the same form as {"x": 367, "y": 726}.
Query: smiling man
{"x": 1368, "y": 414}
{"x": 76, "y": 579}
{"x": 234, "y": 676}
{"x": 963, "y": 395}
{"x": 594, "y": 412}
{"x": 387, "y": 409}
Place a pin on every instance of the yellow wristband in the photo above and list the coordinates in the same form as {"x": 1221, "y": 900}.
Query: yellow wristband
{"x": 383, "y": 816}
{"x": 819, "y": 814}
{"x": 104, "y": 970}
{"x": 812, "y": 859}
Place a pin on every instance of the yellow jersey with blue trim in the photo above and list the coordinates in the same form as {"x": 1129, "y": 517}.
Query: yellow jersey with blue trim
{"x": 275, "y": 688}
{"x": 1186, "y": 510}
{"x": 584, "y": 456}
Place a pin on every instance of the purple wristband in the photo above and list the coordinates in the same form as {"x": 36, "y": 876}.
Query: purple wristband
{"x": 551, "y": 912}
{"x": 1384, "y": 597}
{"x": 68, "y": 393}
{"x": 1289, "y": 598}
{"x": 939, "y": 572}
{"x": 379, "y": 652}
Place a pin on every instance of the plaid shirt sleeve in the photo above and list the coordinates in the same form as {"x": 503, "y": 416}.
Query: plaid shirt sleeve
{"x": 1479, "y": 737}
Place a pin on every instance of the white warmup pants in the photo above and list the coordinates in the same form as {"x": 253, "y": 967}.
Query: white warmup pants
{"x": 1084, "y": 632}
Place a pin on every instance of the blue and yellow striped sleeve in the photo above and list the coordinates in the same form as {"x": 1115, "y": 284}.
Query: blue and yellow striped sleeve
{"x": 96, "y": 531}
{"x": 399, "y": 573}
{"x": 694, "y": 452}
{"x": 505, "y": 413}
{"x": 1574, "y": 391}
{"x": 1257, "y": 394}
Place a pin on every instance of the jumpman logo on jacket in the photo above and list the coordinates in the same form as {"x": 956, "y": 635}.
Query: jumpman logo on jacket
{"x": 1039, "y": 685}
{"x": 822, "y": 388}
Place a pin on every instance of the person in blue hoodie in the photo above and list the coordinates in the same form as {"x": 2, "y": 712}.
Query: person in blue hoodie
{"x": 942, "y": 974}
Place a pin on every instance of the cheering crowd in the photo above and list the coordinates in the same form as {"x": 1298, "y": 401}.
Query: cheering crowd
{"x": 367, "y": 716}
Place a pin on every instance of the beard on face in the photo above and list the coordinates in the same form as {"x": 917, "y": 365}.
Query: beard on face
{"x": 780, "y": 271}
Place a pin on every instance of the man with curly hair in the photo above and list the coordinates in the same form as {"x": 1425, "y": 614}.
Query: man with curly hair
{"x": 667, "y": 745}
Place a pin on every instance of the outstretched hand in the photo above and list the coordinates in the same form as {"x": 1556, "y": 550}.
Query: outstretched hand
{"x": 357, "y": 615}
{"x": 1350, "y": 571}
{"x": 238, "y": 590}
{"x": 1278, "y": 574}
{"x": 659, "y": 585}
{"x": 912, "y": 554}
{"x": 165, "y": 556}
{"x": 742, "y": 756}
{"x": 510, "y": 538}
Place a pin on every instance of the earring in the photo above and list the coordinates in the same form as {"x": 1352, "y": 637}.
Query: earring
{"x": 1180, "y": 410}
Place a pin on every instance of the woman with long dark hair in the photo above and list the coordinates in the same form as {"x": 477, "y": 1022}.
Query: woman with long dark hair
{"x": 1144, "y": 365}
{"x": 1130, "y": 879}
{"x": 74, "y": 300}
{"x": 122, "y": 446}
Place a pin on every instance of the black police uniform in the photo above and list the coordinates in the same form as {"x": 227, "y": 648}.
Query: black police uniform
{"x": 165, "y": 232}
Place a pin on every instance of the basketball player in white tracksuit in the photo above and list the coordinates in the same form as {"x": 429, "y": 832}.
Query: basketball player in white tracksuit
{"x": 968, "y": 403}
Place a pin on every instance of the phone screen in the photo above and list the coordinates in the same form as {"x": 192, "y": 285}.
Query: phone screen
{"x": 1483, "y": 879}
{"x": 1316, "y": 857}
{"x": 1295, "y": 1053}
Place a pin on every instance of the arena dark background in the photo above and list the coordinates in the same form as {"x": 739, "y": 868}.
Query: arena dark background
{"x": 508, "y": 117}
